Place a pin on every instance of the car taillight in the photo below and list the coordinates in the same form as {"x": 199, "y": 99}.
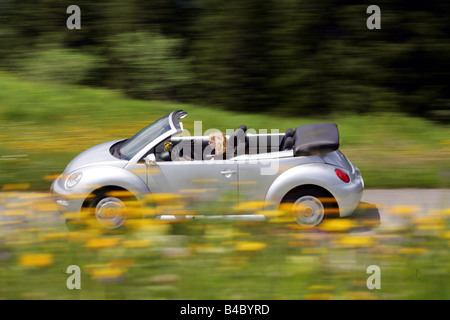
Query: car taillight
{"x": 342, "y": 175}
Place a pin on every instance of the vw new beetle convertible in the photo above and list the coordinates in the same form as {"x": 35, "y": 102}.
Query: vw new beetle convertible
{"x": 300, "y": 170}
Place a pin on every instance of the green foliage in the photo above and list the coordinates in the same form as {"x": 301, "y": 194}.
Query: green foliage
{"x": 59, "y": 65}
{"x": 308, "y": 57}
{"x": 145, "y": 65}
{"x": 284, "y": 57}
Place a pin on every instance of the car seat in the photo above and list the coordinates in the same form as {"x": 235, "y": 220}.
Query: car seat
{"x": 236, "y": 141}
{"x": 284, "y": 144}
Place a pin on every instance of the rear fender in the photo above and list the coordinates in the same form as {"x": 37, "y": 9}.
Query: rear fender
{"x": 318, "y": 174}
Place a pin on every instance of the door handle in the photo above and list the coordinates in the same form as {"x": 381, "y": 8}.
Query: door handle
{"x": 227, "y": 173}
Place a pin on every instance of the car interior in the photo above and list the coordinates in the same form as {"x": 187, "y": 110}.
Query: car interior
{"x": 238, "y": 143}
{"x": 304, "y": 141}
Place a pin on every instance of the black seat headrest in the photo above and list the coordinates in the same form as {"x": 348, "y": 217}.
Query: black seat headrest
{"x": 236, "y": 140}
{"x": 288, "y": 143}
{"x": 243, "y": 127}
{"x": 289, "y": 133}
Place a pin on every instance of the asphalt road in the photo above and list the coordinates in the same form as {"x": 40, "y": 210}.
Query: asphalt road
{"x": 418, "y": 202}
{"x": 27, "y": 209}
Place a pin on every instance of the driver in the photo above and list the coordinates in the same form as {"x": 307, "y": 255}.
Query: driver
{"x": 218, "y": 142}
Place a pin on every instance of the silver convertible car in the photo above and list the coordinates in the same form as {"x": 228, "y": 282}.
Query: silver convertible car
{"x": 300, "y": 171}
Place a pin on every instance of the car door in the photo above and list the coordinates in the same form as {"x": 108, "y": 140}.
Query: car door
{"x": 255, "y": 178}
{"x": 207, "y": 184}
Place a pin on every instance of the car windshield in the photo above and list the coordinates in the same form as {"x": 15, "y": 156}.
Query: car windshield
{"x": 133, "y": 145}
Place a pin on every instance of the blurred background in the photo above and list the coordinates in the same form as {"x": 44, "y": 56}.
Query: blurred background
{"x": 268, "y": 64}
{"x": 283, "y": 57}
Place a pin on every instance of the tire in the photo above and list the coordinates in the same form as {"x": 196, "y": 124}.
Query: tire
{"x": 110, "y": 208}
{"x": 310, "y": 205}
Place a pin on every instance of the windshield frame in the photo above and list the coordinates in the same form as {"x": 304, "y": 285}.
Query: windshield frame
{"x": 130, "y": 147}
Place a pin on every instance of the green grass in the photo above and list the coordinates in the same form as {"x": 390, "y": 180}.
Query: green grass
{"x": 43, "y": 126}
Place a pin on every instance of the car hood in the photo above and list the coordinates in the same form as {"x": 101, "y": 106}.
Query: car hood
{"x": 97, "y": 155}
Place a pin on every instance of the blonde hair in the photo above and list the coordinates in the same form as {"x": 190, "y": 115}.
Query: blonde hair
{"x": 219, "y": 138}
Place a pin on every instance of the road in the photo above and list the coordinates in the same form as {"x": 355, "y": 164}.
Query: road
{"x": 26, "y": 209}
{"x": 418, "y": 202}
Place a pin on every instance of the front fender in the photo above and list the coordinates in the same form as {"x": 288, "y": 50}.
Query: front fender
{"x": 93, "y": 178}
{"x": 319, "y": 174}
{"x": 100, "y": 176}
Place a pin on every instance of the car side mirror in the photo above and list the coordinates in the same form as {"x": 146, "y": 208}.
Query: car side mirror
{"x": 150, "y": 160}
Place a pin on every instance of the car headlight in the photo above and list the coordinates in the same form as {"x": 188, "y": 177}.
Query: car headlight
{"x": 73, "y": 179}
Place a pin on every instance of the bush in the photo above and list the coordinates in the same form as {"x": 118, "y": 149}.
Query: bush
{"x": 59, "y": 65}
{"x": 146, "y": 65}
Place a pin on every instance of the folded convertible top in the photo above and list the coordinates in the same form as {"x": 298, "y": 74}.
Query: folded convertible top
{"x": 316, "y": 138}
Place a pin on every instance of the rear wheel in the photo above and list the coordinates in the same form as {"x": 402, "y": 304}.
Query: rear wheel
{"x": 310, "y": 205}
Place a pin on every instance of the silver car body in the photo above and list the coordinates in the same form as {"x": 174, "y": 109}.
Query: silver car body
{"x": 263, "y": 177}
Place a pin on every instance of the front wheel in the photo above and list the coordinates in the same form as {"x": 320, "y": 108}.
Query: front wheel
{"x": 310, "y": 206}
{"x": 110, "y": 208}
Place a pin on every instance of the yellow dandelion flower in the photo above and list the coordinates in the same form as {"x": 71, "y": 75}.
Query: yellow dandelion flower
{"x": 70, "y": 215}
{"x": 102, "y": 243}
{"x": 18, "y": 186}
{"x": 205, "y": 190}
{"x": 338, "y": 225}
{"x": 356, "y": 241}
{"x": 243, "y": 183}
{"x": 15, "y": 212}
{"x": 360, "y": 295}
{"x": 314, "y": 250}
{"x": 429, "y": 223}
{"x": 251, "y": 206}
{"x": 36, "y": 260}
{"x": 318, "y": 296}
{"x": 121, "y": 263}
{"x": 286, "y": 220}
{"x": 250, "y": 246}
{"x": 107, "y": 273}
{"x": 413, "y": 250}
{"x": 51, "y": 177}
{"x": 119, "y": 193}
{"x": 404, "y": 210}
{"x": 162, "y": 197}
{"x": 445, "y": 235}
{"x": 204, "y": 180}
{"x": 321, "y": 287}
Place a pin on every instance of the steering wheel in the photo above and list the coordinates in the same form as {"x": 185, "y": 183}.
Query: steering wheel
{"x": 168, "y": 145}
{"x": 179, "y": 151}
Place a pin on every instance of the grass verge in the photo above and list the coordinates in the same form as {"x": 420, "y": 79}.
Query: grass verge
{"x": 43, "y": 126}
